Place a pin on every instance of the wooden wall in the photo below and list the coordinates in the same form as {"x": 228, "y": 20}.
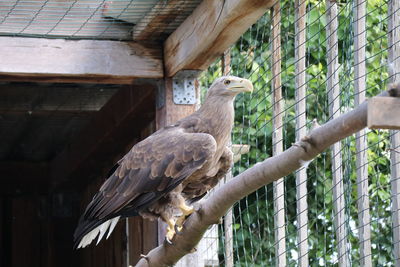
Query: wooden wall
{"x": 36, "y": 229}
{"x": 32, "y": 234}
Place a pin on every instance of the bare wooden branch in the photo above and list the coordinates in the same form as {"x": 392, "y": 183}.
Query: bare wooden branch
{"x": 212, "y": 27}
{"x": 211, "y": 210}
{"x": 58, "y": 60}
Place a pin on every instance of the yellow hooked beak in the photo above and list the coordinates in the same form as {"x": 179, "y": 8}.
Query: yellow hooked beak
{"x": 240, "y": 85}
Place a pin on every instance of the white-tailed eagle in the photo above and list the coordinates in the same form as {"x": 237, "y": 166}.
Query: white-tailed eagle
{"x": 163, "y": 174}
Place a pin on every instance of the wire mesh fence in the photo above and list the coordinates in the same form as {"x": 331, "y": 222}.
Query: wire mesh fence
{"x": 92, "y": 19}
{"x": 323, "y": 58}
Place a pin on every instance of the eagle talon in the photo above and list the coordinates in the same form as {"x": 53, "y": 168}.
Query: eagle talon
{"x": 178, "y": 229}
{"x": 186, "y": 210}
{"x": 144, "y": 257}
{"x": 168, "y": 241}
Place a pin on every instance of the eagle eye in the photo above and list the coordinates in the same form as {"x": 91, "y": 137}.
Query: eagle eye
{"x": 226, "y": 82}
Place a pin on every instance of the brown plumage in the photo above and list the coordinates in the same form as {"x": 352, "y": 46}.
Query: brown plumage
{"x": 163, "y": 174}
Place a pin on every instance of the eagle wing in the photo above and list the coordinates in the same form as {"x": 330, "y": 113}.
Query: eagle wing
{"x": 150, "y": 170}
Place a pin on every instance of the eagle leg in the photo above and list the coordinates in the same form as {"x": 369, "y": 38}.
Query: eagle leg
{"x": 170, "y": 221}
{"x": 186, "y": 211}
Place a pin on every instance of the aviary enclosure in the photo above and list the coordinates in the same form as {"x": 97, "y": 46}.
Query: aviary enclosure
{"x": 310, "y": 61}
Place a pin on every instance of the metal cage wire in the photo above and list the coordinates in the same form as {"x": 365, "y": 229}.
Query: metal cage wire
{"x": 341, "y": 208}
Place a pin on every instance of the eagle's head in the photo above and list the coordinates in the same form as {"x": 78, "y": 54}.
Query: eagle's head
{"x": 230, "y": 86}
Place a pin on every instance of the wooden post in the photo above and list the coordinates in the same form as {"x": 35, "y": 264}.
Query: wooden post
{"x": 361, "y": 137}
{"x": 333, "y": 91}
{"x": 228, "y": 218}
{"x": 277, "y": 138}
{"x": 301, "y": 130}
{"x": 166, "y": 115}
{"x": 394, "y": 67}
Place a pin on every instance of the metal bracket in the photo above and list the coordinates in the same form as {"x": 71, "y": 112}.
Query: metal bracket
{"x": 183, "y": 87}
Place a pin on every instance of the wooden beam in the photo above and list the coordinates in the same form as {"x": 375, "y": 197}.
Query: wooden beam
{"x": 47, "y": 113}
{"x": 58, "y": 60}
{"x": 212, "y": 27}
{"x": 107, "y": 137}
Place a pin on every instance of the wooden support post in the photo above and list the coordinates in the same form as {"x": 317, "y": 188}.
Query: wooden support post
{"x": 394, "y": 60}
{"x": 301, "y": 130}
{"x": 333, "y": 91}
{"x": 364, "y": 219}
{"x": 277, "y": 138}
{"x": 228, "y": 218}
{"x": 167, "y": 113}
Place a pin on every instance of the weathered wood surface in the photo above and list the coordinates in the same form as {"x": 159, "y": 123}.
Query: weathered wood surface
{"x": 333, "y": 92}
{"x": 171, "y": 112}
{"x": 61, "y": 60}
{"x": 237, "y": 151}
{"x": 383, "y": 113}
{"x": 277, "y": 138}
{"x": 156, "y": 25}
{"x": 45, "y": 99}
{"x": 394, "y": 60}
{"x": 108, "y": 136}
{"x": 301, "y": 131}
{"x": 364, "y": 218}
{"x": 212, "y": 27}
{"x": 68, "y": 18}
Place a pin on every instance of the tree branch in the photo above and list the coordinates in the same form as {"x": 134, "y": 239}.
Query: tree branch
{"x": 212, "y": 209}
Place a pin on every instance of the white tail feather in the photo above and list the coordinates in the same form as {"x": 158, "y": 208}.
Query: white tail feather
{"x": 103, "y": 230}
{"x": 113, "y": 224}
{"x": 100, "y": 231}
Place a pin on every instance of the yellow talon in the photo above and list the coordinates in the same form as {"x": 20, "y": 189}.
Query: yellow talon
{"x": 170, "y": 234}
{"x": 170, "y": 230}
{"x": 186, "y": 210}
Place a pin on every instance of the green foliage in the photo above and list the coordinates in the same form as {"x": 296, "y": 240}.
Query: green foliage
{"x": 254, "y": 216}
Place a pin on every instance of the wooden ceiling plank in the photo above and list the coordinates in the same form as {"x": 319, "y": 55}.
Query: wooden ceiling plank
{"x": 212, "y": 27}
{"x": 58, "y": 60}
{"x": 156, "y": 22}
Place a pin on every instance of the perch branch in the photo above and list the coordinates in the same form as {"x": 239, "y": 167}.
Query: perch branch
{"x": 211, "y": 210}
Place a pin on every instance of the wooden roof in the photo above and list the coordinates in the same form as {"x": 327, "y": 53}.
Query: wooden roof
{"x": 93, "y": 19}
